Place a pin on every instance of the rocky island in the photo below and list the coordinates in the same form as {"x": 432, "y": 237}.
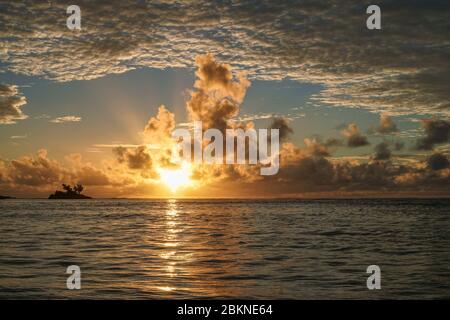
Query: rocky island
{"x": 69, "y": 193}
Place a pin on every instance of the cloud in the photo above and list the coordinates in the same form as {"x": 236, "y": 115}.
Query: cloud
{"x": 316, "y": 147}
{"x": 302, "y": 170}
{"x": 86, "y": 173}
{"x": 115, "y": 145}
{"x": 436, "y": 132}
{"x": 282, "y": 124}
{"x": 214, "y": 100}
{"x": 65, "y": 119}
{"x": 333, "y": 142}
{"x": 217, "y": 94}
{"x": 354, "y": 137}
{"x": 437, "y": 161}
{"x": 159, "y": 129}
{"x": 135, "y": 158}
{"x": 42, "y": 116}
{"x": 387, "y": 126}
{"x": 398, "y": 145}
{"x": 271, "y": 40}
{"x": 38, "y": 175}
{"x": 263, "y": 115}
{"x": 39, "y": 171}
{"x": 305, "y": 170}
{"x": 382, "y": 151}
{"x": 35, "y": 171}
{"x": 212, "y": 76}
{"x": 11, "y": 103}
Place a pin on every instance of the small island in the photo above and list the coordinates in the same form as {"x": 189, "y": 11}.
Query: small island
{"x": 69, "y": 193}
{"x": 6, "y": 197}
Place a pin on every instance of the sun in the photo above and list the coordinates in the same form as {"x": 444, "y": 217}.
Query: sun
{"x": 176, "y": 178}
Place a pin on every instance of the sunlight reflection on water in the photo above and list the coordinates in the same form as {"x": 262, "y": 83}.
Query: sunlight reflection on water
{"x": 224, "y": 248}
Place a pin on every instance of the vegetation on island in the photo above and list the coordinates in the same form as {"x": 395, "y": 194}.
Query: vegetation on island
{"x": 69, "y": 193}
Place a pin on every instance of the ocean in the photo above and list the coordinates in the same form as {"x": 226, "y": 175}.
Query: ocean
{"x": 246, "y": 249}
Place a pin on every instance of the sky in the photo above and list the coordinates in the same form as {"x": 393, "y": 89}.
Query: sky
{"x": 362, "y": 112}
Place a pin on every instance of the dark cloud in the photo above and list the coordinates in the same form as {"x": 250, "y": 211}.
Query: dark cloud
{"x": 283, "y": 126}
{"x": 306, "y": 170}
{"x": 437, "y": 161}
{"x": 354, "y": 137}
{"x": 312, "y": 171}
{"x": 436, "y": 132}
{"x": 135, "y": 159}
{"x": 357, "y": 141}
{"x": 333, "y": 142}
{"x": 382, "y": 151}
{"x": 398, "y": 145}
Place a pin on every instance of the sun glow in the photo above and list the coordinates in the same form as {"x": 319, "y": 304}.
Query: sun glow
{"x": 176, "y": 178}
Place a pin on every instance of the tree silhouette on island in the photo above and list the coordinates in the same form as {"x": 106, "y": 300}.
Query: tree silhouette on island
{"x": 69, "y": 193}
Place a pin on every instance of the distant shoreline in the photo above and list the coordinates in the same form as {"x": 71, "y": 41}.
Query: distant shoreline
{"x": 248, "y": 199}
